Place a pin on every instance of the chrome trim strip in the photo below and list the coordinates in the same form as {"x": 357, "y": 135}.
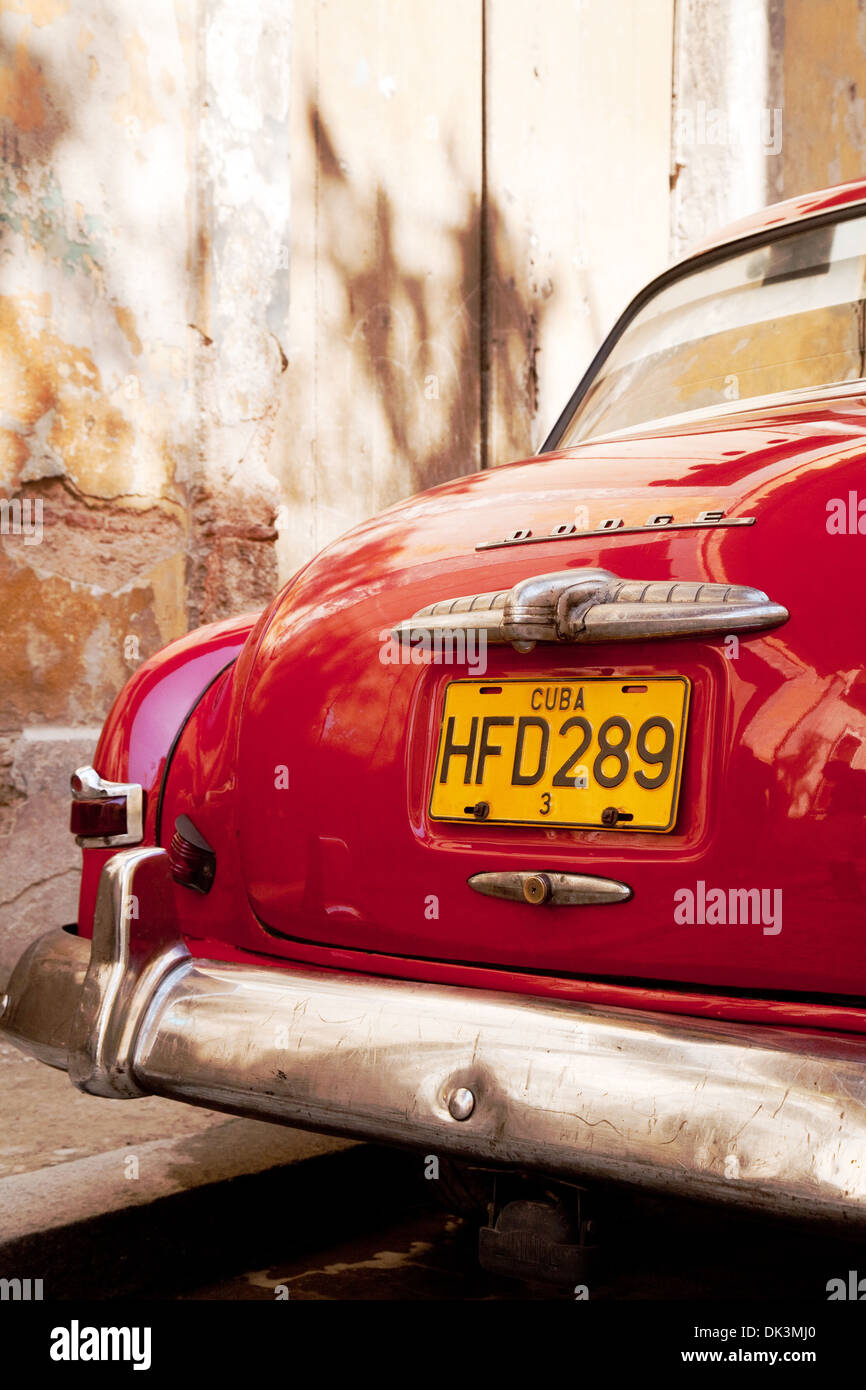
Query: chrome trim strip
{"x": 770, "y": 1118}
{"x": 594, "y": 605}
{"x": 87, "y": 785}
{"x": 540, "y": 886}
{"x": 124, "y": 969}
{"x": 618, "y": 531}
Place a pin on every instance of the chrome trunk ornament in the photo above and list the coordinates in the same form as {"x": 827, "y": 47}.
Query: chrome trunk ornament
{"x": 594, "y": 605}
{"x": 569, "y": 530}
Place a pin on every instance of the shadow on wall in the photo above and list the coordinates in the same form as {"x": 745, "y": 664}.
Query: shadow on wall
{"x": 397, "y": 369}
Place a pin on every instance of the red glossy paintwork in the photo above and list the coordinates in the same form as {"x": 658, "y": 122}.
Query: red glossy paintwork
{"x": 143, "y": 721}
{"x": 344, "y": 867}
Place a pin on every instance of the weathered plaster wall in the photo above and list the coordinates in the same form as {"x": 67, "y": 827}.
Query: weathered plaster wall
{"x": 381, "y": 394}
{"x": 728, "y": 126}
{"x": 143, "y": 201}
{"x": 819, "y": 63}
{"x": 239, "y": 282}
{"x": 769, "y": 102}
{"x": 95, "y": 408}
{"x": 578, "y": 112}
{"x": 467, "y": 181}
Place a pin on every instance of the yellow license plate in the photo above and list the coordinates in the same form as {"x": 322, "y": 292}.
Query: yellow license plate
{"x": 600, "y": 753}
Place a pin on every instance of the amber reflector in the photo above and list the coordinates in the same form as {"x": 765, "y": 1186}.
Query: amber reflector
{"x": 190, "y": 857}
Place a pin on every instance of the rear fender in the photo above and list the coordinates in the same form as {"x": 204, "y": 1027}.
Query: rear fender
{"x": 141, "y": 732}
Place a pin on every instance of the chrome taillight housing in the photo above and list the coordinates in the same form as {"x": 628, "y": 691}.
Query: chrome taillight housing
{"x": 105, "y": 814}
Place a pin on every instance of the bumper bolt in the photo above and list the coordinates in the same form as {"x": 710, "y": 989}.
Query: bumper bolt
{"x": 481, "y": 810}
{"x": 610, "y": 815}
{"x": 461, "y": 1103}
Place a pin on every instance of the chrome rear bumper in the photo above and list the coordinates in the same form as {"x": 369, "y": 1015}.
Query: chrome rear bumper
{"x": 770, "y": 1118}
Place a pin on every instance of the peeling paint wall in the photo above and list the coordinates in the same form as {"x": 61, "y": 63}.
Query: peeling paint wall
{"x": 143, "y": 210}
{"x": 769, "y": 102}
{"x": 95, "y": 407}
{"x": 95, "y": 412}
{"x": 240, "y": 284}
{"x": 819, "y": 65}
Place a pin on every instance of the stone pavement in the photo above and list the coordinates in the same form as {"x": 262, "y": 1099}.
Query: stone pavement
{"x": 69, "y": 1161}
{"x": 45, "y": 1121}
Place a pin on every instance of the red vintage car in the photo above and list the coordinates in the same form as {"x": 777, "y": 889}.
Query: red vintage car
{"x": 527, "y": 825}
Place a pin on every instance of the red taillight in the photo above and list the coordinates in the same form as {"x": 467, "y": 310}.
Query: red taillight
{"x": 191, "y": 859}
{"x": 93, "y": 818}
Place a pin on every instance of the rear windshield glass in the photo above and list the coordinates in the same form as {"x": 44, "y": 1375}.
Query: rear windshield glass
{"x": 780, "y": 317}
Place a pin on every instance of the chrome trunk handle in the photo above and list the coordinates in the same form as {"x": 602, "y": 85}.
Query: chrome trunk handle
{"x": 594, "y": 605}
{"x": 557, "y": 889}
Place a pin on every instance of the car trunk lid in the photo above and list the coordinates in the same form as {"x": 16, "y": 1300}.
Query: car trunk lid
{"x": 734, "y": 892}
